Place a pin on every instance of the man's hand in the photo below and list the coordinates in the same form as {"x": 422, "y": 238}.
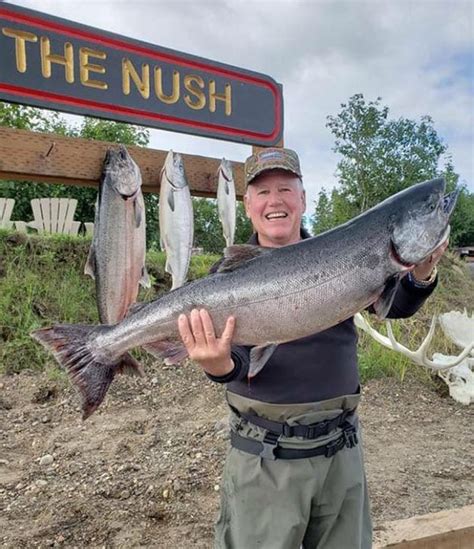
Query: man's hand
{"x": 423, "y": 270}
{"x": 199, "y": 338}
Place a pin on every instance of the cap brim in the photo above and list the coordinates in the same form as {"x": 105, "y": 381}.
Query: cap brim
{"x": 274, "y": 167}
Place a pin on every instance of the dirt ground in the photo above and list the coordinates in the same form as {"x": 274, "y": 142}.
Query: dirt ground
{"x": 144, "y": 471}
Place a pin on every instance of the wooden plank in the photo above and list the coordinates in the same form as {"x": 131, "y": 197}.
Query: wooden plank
{"x": 71, "y": 210}
{"x": 45, "y": 214}
{"x": 75, "y": 226}
{"x": 50, "y": 158}
{"x": 62, "y": 212}
{"x": 38, "y": 218}
{"x": 54, "y": 203}
{"x": 20, "y": 226}
{"x": 6, "y": 208}
{"x": 450, "y": 529}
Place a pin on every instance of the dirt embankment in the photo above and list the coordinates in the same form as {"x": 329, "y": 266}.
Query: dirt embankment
{"x": 144, "y": 471}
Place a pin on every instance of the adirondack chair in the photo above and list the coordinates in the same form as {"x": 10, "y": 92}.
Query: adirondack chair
{"x": 52, "y": 215}
{"x": 6, "y": 208}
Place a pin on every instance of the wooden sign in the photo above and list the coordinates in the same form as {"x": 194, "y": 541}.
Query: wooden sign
{"x": 50, "y": 62}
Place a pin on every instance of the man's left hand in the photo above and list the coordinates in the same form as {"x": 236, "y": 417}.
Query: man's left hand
{"x": 423, "y": 270}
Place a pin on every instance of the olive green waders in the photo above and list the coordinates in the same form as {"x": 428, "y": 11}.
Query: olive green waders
{"x": 316, "y": 502}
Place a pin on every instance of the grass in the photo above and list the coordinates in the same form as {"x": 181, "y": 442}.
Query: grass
{"x": 42, "y": 282}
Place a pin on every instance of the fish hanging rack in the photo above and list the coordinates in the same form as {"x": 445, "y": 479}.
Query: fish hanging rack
{"x": 43, "y": 157}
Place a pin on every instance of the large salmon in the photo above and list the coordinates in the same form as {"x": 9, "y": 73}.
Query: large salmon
{"x": 276, "y": 295}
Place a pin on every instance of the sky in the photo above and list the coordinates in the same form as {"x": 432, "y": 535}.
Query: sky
{"x": 418, "y": 56}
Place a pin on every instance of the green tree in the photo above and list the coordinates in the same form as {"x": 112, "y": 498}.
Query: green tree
{"x": 379, "y": 157}
{"x": 208, "y": 229}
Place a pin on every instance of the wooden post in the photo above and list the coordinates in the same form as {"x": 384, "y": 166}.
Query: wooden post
{"x": 450, "y": 529}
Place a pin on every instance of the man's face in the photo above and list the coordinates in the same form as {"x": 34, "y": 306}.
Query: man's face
{"x": 275, "y": 202}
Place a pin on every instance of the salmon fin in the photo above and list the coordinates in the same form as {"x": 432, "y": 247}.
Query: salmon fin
{"x": 135, "y": 307}
{"x": 130, "y": 367}
{"x": 384, "y": 302}
{"x": 227, "y": 188}
{"x": 170, "y": 199}
{"x": 138, "y": 211}
{"x": 238, "y": 255}
{"x": 90, "y": 375}
{"x": 90, "y": 265}
{"x": 171, "y": 352}
{"x": 259, "y": 357}
{"x": 145, "y": 278}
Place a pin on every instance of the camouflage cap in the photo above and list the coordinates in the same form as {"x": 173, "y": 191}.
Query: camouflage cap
{"x": 270, "y": 159}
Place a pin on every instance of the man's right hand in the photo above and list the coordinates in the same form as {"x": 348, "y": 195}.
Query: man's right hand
{"x": 199, "y": 338}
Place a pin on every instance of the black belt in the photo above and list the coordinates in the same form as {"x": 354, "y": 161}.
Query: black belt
{"x": 269, "y": 448}
{"x": 315, "y": 430}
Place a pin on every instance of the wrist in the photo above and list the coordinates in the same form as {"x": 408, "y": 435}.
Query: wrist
{"x": 220, "y": 369}
{"x": 225, "y": 378}
{"x": 424, "y": 281}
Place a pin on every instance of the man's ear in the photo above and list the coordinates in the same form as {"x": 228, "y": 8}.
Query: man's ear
{"x": 303, "y": 199}
{"x": 246, "y": 200}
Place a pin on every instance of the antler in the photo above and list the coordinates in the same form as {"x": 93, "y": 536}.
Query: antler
{"x": 420, "y": 355}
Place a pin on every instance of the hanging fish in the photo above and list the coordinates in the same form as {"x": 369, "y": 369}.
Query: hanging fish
{"x": 226, "y": 201}
{"x": 176, "y": 219}
{"x": 117, "y": 254}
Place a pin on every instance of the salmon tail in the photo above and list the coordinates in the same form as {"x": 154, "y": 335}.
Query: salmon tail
{"x": 90, "y": 374}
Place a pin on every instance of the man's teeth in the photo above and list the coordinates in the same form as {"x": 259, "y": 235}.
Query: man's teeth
{"x": 276, "y": 215}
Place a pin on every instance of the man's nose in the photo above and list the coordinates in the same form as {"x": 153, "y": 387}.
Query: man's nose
{"x": 275, "y": 198}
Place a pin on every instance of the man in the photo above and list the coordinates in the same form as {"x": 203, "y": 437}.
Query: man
{"x": 300, "y": 409}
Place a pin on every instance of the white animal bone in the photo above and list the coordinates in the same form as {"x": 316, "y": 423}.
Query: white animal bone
{"x": 459, "y": 379}
{"x": 420, "y": 355}
{"x": 459, "y": 327}
{"x": 456, "y": 372}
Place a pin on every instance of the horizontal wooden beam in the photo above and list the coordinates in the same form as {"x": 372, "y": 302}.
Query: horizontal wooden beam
{"x": 449, "y": 529}
{"x": 51, "y": 158}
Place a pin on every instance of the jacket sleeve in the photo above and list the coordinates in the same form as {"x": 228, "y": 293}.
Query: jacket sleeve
{"x": 241, "y": 357}
{"x": 409, "y": 298}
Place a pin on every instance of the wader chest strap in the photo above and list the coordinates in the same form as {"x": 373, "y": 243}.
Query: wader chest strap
{"x": 315, "y": 430}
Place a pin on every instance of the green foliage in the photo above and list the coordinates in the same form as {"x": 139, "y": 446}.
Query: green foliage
{"x": 462, "y": 222}
{"x": 31, "y": 118}
{"x": 380, "y": 157}
{"x": 42, "y": 283}
{"x": 41, "y": 280}
{"x": 208, "y": 229}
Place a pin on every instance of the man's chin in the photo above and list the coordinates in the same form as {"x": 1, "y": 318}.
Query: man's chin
{"x": 278, "y": 235}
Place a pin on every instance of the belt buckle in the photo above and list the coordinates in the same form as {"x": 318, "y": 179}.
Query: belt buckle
{"x": 318, "y": 429}
{"x": 270, "y": 444}
{"x": 332, "y": 448}
{"x": 350, "y": 435}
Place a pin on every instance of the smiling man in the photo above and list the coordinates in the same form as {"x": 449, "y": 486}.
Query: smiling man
{"x": 294, "y": 475}
{"x": 275, "y": 200}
